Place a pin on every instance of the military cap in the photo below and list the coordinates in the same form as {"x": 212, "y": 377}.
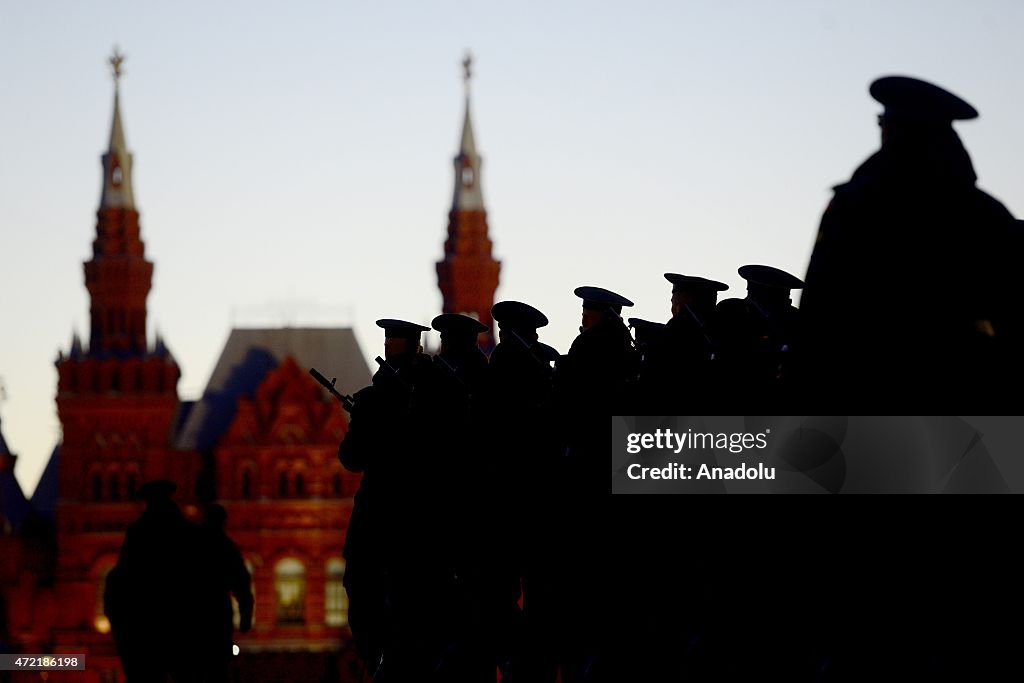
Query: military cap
{"x": 401, "y": 328}
{"x": 156, "y": 490}
{"x": 646, "y": 330}
{"x": 458, "y": 326}
{"x": 517, "y": 315}
{"x": 600, "y": 299}
{"x": 766, "y": 276}
{"x": 912, "y": 98}
{"x": 693, "y": 282}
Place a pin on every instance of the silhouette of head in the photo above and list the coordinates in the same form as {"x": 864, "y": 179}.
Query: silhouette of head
{"x": 600, "y": 304}
{"x": 157, "y": 495}
{"x": 216, "y": 516}
{"x": 515, "y": 316}
{"x": 401, "y": 338}
{"x": 769, "y": 287}
{"x": 916, "y": 108}
{"x": 699, "y": 293}
{"x": 459, "y": 333}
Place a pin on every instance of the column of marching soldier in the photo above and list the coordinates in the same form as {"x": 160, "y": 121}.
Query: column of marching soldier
{"x": 474, "y": 540}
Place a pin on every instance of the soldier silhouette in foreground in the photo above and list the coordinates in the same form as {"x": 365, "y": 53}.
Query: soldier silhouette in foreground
{"x": 911, "y": 221}
{"x": 153, "y": 593}
{"x": 225, "y": 575}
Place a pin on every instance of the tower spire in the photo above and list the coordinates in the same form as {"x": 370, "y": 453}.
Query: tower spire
{"x": 118, "y": 277}
{"x": 117, "y": 162}
{"x": 467, "y": 163}
{"x": 468, "y": 274}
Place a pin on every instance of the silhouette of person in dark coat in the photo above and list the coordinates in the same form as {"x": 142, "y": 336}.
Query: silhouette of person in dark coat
{"x": 906, "y": 289}
{"x": 152, "y": 597}
{"x": 396, "y": 582}
{"x": 225, "y": 575}
{"x": 677, "y": 374}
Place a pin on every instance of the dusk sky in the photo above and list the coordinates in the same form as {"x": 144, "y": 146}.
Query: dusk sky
{"x": 293, "y": 161}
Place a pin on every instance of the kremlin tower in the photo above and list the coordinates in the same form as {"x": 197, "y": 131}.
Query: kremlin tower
{"x": 468, "y": 274}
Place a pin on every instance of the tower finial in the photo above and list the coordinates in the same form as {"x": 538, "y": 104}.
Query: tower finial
{"x": 116, "y": 60}
{"x": 467, "y": 67}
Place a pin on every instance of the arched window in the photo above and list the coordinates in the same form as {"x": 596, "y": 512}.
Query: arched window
{"x": 131, "y": 485}
{"x": 282, "y": 484}
{"x": 290, "y": 585}
{"x": 336, "y": 597}
{"x": 115, "y": 487}
{"x": 300, "y": 485}
{"x": 97, "y": 486}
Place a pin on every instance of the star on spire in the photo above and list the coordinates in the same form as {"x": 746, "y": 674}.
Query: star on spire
{"x": 116, "y": 60}
{"x": 467, "y": 67}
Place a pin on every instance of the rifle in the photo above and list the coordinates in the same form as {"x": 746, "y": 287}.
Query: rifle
{"x": 396, "y": 374}
{"x": 709, "y": 344}
{"x": 346, "y": 400}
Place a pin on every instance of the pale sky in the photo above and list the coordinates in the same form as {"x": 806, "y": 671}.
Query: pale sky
{"x": 292, "y": 161}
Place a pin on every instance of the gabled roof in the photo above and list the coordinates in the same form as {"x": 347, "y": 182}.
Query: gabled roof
{"x": 249, "y": 355}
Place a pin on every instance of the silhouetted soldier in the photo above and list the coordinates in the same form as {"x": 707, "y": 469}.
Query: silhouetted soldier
{"x": 677, "y": 376}
{"x": 759, "y": 340}
{"x": 151, "y": 594}
{"x": 224, "y": 575}
{"x": 911, "y": 221}
{"x": 518, "y": 414}
{"x": 592, "y": 382}
{"x": 396, "y": 583}
{"x": 484, "y": 595}
{"x": 651, "y": 381}
{"x": 462, "y": 363}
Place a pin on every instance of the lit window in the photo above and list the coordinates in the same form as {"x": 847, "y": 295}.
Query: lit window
{"x": 336, "y": 597}
{"x": 290, "y": 584}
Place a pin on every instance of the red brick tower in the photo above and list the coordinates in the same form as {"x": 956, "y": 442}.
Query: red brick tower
{"x": 468, "y": 275}
{"x": 116, "y": 400}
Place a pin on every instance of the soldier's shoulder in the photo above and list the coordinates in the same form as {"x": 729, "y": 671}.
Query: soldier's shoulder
{"x": 992, "y": 207}
{"x": 731, "y": 307}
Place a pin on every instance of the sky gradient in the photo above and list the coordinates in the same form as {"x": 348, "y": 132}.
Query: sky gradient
{"x": 292, "y": 162}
